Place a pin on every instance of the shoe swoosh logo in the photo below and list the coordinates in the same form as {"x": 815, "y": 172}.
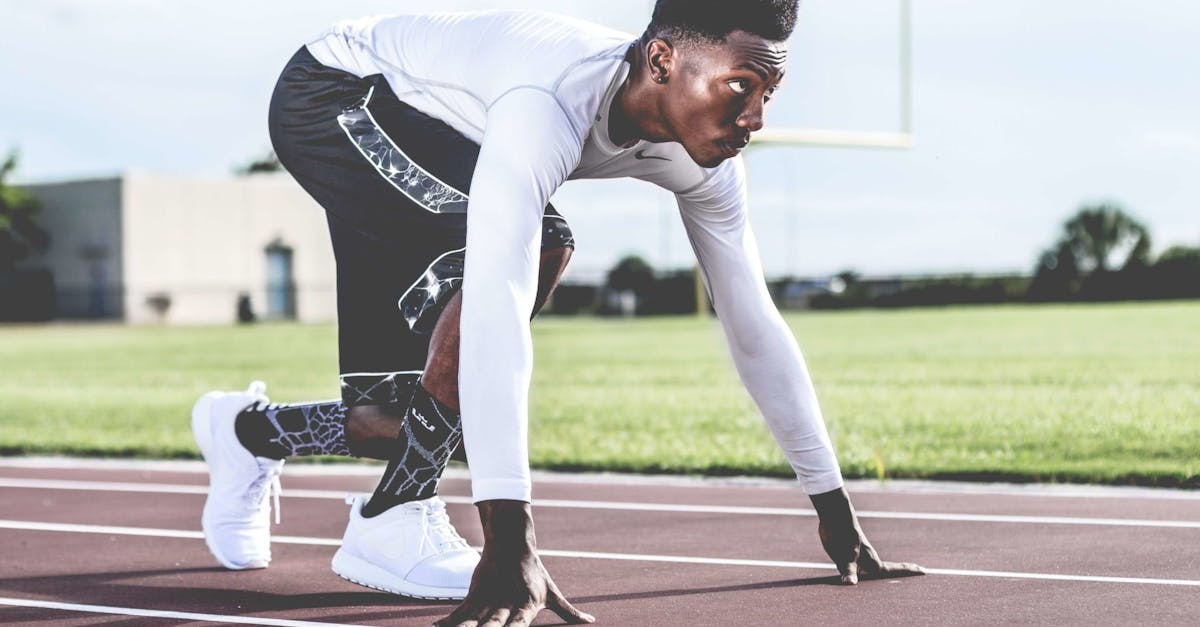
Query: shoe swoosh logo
{"x": 641, "y": 156}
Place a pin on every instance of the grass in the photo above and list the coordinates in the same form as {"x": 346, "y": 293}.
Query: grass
{"x": 1080, "y": 393}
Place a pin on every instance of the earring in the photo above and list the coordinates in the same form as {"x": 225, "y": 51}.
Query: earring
{"x": 661, "y": 79}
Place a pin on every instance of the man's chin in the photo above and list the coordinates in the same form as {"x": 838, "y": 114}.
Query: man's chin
{"x": 713, "y": 158}
{"x": 709, "y": 155}
{"x": 709, "y": 161}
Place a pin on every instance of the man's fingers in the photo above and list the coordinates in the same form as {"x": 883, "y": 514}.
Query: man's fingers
{"x": 888, "y": 570}
{"x": 868, "y": 560}
{"x": 561, "y": 606}
{"x": 464, "y": 611}
{"x": 849, "y": 573}
{"x": 495, "y": 618}
{"x": 523, "y": 616}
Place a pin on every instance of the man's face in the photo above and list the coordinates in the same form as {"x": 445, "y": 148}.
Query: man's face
{"x": 718, "y": 93}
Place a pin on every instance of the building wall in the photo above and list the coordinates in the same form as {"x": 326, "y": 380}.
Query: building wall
{"x": 84, "y": 222}
{"x": 201, "y": 243}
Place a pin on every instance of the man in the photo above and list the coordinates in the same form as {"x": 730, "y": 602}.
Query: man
{"x": 434, "y": 143}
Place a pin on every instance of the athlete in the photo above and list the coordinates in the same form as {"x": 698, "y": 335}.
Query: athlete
{"x": 434, "y": 143}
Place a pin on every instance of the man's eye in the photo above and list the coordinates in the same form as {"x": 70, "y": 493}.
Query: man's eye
{"x": 770, "y": 94}
{"x": 739, "y": 86}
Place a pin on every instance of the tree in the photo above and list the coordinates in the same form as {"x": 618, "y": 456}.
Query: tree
{"x": 1057, "y": 275}
{"x": 1177, "y": 272}
{"x": 631, "y": 273}
{"x": 1103, "y": 237}
{"x": 20, "y": 236}
{"x": 630, "y": 279}
{"x": 1101, "y": 251}
{"x": 1183, "y": 255}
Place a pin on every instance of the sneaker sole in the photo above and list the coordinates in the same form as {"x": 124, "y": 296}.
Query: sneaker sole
{"x": 202, "y": 434}
{"x": 363, "y": 573}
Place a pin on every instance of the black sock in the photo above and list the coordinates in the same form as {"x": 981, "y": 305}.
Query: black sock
{"x": 279, "y": 431}
{"x": 431, "y": 431}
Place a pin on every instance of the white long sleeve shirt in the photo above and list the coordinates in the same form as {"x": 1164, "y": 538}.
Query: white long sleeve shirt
{"x": 534, "y": 90}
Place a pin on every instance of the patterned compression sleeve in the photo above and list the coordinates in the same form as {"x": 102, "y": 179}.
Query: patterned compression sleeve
{"x": 318, "y": 429}
{"x": 430, "y": 433}
{"x": 279, "y": 431}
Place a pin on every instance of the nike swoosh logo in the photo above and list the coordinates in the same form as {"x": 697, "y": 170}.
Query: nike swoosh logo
{"x": 641, "y": 155}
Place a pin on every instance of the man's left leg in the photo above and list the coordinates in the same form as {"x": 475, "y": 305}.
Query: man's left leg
{"x": 370, "y": 418}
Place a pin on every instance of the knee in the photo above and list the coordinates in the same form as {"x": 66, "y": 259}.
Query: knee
{"x": 555, "y": 259}
{"x": 441, "y": 381}
{"x": 553, "y": 263}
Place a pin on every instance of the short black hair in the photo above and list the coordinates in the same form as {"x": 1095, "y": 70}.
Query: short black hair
{"x": 711, "y": 20}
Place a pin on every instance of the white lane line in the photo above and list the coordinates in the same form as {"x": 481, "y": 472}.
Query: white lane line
{"x": 137, "y": 611}
{"x": 717, "y": 561}
{"x": 889, "y": 486}
{"x": 633, "y": 557}
{"x": 149, "y": 532}
{"x": 164, "y": 488}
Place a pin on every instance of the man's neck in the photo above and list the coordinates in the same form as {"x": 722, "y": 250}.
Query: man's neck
{"x": 634, "y": 114}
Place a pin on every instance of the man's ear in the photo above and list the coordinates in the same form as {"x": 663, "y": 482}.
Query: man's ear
{"x": 660, "y": 60}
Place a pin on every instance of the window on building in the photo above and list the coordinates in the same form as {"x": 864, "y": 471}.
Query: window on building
{"x": 281, "y": 283}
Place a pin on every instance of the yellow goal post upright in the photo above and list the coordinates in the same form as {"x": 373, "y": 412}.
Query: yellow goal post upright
{"x": 900, "y": 139}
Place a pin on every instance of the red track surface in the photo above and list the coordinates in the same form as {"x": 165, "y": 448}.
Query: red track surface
{"x": 52, "y": 550}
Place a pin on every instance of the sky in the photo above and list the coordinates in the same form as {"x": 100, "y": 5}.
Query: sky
{"x": 1024, "y": 110}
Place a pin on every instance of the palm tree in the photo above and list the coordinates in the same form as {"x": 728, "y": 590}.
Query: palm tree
{"x": 1100, "y": 235}
{"x": 1102, "y": 253}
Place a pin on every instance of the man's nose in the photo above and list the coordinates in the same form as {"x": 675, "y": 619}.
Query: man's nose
{"x": 752, "y": 118}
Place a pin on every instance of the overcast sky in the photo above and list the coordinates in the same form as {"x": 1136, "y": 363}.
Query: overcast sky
{"x": 1024, "y": 110}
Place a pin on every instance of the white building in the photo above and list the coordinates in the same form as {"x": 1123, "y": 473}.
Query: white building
{"x": 145, "y": 248}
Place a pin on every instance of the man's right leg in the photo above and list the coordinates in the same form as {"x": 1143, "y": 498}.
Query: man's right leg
{"x": 418, "y": 439}
{"x": 435, "y": 405}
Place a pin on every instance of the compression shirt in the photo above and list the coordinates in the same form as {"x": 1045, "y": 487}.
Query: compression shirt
{"x": 534, "y": 90}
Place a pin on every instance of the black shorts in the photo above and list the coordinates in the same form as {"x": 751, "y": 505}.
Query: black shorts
{"x": 394, "y": 184}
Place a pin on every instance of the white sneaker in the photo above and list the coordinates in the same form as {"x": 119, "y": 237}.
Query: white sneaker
{"x": 237, "y": 513}
{"x": 411, "y": 549}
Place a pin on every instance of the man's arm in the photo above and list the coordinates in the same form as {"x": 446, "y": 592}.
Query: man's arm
{"x": 764, "y": 351}
{"x": 771, "y": 366}
{"x": 528, "y": 150}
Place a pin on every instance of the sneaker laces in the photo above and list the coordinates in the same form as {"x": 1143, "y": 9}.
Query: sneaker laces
{"x": 268, "y": 470}
{"x": 436, "y": 530}
{"x": 438, "y": 525}
{"x": 267, "y": 481}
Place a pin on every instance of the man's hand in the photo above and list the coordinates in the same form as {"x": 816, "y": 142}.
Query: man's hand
{"x": 510, "y": 586}
{"x": 847, "y": 545}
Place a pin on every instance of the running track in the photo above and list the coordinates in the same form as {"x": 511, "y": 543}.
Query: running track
{"x": 89, "y": 543}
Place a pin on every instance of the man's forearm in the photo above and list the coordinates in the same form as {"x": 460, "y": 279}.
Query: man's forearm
{"x": 777, "y": 378}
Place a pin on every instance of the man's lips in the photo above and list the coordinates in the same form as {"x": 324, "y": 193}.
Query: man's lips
{"x": 732, "y": 148}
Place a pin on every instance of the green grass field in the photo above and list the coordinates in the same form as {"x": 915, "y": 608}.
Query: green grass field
{"x": 1096, "y": 393}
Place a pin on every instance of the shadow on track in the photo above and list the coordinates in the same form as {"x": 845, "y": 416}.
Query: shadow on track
{"x": 177, "y": 589}
{"x": 765, "y": 585}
